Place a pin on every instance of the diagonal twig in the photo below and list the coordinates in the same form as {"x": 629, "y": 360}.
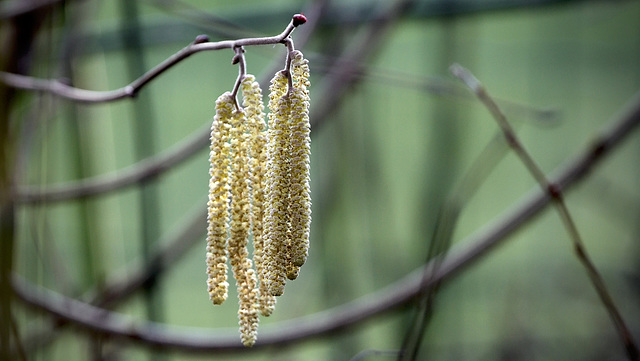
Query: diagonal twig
{"x": 556, "y": 195}
{"x": 442, "y": 236}
{"x": 360, "y": 310}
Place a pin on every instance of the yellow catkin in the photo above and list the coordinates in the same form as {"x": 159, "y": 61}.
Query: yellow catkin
{"x": 299, "y": 205}
{"x": 259, "y": 187}
{"x": 237, "y": 251}
{"x": 257, "y": 127}
{"x": 277, "y": 186}
{"x": 218, "y": 212}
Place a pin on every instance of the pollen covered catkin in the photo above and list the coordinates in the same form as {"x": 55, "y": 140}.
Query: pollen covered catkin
{"x": 218, "y": 205}
{"x": 259, "y": 189}
{"x": 299, "y": 205}
{"x": 257, "y": 128}
{"x": 276, "y": 221}
{"x": 288, "y": 211}
{"x": 237, "y": 251}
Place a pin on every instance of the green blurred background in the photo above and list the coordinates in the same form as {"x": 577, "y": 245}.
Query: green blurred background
{"x": 386, "y": 157}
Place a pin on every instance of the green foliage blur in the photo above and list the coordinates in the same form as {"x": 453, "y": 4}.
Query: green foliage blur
{"x": 385, "y": 161}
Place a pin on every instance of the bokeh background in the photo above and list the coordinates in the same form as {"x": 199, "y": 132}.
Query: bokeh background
{"x": 394, "y": 135}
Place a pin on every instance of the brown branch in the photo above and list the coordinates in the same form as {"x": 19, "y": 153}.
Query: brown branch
{"x": 174, "y": 246}
{"x": 142, "y": 171}
{"x": 558, "y": 199}
{"x": 63, "y": 90}
{"x": 151, "y": 167}
{"x": 354, "y": 312}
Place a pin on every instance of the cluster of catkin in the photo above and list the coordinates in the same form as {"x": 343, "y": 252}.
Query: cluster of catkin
{"x": 259, "y": 189}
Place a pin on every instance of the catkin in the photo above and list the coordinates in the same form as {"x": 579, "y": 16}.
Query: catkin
{"x": 259, "y": 188}
{"x": 218, "y": 211}
{"x": 299, "y": 205}
{"x": 240, "y": 205}
{"x": 257, "y": 127}
{"x": 276, "y": 220}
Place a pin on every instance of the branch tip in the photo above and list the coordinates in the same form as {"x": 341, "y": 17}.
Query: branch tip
{"x": 298, "y": 19}
{"x": 466, "y": 76}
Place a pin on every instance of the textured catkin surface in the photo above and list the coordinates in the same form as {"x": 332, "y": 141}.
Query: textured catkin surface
{"x": 299, "y": 207}
{"x": 218, "y": 205}
{"x": 277, "y": 186}
{"x": 259, "y": 190}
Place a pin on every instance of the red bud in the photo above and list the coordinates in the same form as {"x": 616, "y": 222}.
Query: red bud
{"x": 299, "y": 19}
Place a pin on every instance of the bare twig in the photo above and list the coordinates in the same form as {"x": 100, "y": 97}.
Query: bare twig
{"x": 116, "y": 290}
{"x": 146, "y": 169}
{"x": 556, "y": 195}
{"x": 442, "y": 237}
{"x": 354, "y": 312}
{"x": 356, "y": 54}
{"x": 138, "y": 172}
{"x": 63, "y": 90}
{"x": 287, "y": 67}
{"x": 432, "y": 85}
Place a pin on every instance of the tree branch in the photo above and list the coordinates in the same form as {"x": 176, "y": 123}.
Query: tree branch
{"x": 148, "y": 168}
{"x": 558, "y": 199}
{"x": 117, "y": 290}
{"x": 354, "y": 312}
{"x": 138, "y": 172}
{"x": 59, "y": 88}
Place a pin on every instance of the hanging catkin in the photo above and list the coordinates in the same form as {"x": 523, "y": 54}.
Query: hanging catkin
{"x": 276, "y": 221}
{"x": 218, "y": 205}
{"x": 259, "y": 189}
{"x": 299, "y": 204}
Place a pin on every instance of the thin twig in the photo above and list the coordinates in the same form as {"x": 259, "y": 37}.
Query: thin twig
{"x": 357, "y": 53}
{"x": 63, "y": 90}
{"x": 442, "y": 237}
{"x": 558, "y": 199}
{"x": 434, "y": 85}
{"x": 287, "y": 66}
{"x": 117, "y": 290}
{"x": 138, "y": 172}
{"x": 148, "y": 168}
{"x": 354, "y": 312}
